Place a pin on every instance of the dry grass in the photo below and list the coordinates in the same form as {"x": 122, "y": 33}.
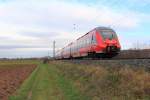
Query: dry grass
{"x": 108, "y": 83}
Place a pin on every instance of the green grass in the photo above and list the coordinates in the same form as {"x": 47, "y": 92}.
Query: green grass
{"x": 45, "y": 83}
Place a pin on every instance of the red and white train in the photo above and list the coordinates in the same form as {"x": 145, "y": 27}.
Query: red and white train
{"x": 99, "y": 42}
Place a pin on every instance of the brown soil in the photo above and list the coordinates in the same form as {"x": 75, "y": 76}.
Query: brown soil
{"x": 12, "y": 76}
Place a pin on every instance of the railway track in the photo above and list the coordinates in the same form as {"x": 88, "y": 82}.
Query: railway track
{"x": 114, "y": 58}
{"x": 126, "y": 58}
{"x": 134, "y": 63}
{"x": 121, "y": 59}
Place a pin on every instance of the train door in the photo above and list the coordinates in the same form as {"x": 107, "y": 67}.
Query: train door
{"x": 93, "y": 39}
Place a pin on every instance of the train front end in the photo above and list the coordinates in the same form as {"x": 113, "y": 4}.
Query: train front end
{"x": 112, "y": 46}
{"x": 108, "y": 41}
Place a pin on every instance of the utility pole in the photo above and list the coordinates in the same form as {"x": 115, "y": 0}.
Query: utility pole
{"x": 54, "y": 49}
{"x": 48, "y": 55}
{"x": 74, "y": 28}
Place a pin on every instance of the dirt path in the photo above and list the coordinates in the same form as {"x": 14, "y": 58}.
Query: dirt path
{"x": 11, "y": 76}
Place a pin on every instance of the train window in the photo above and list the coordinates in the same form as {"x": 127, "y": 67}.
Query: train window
{"x": 82, "y": 43}
{"x": 76, "y": 47}
{"x": 79, "y": 44}
{"x": 85, "y": 41}
{"x": 108, "y": 34}
{"x": 73, "y": 48}
{"x": 89, "y": 39}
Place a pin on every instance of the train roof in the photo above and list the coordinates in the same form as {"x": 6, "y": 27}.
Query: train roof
{"x": 103, "y": 28}
{"x": 98, "y": 29}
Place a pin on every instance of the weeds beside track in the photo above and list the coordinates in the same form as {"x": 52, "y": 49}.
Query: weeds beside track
{"x": 108, "y": 83}
{"x": 134, "y": 63}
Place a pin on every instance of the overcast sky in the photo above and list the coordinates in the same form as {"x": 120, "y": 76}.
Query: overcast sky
{"x": 28, "y": 27}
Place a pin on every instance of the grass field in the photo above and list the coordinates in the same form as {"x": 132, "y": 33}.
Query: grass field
{"x": 59, "y": 80}
{"x": 108, "y": 83}
{"x": 46, "y": 83}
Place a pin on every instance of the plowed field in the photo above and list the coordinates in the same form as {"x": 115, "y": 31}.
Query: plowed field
{"x": 12, "y": 76}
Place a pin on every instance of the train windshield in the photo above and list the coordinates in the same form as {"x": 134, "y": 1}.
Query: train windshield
{"x": 108, "y": 34}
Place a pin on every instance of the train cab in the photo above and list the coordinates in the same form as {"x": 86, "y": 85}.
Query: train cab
{"x": 105, "y": 41}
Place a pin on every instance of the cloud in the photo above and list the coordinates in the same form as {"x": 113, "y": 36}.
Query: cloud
{"x": 38, "y": 34}
{"x": 62, "y": 15}
{"x": 30, "y": 24}
{"x": 21, "y": 47}
{"x": 25, "y": 53}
